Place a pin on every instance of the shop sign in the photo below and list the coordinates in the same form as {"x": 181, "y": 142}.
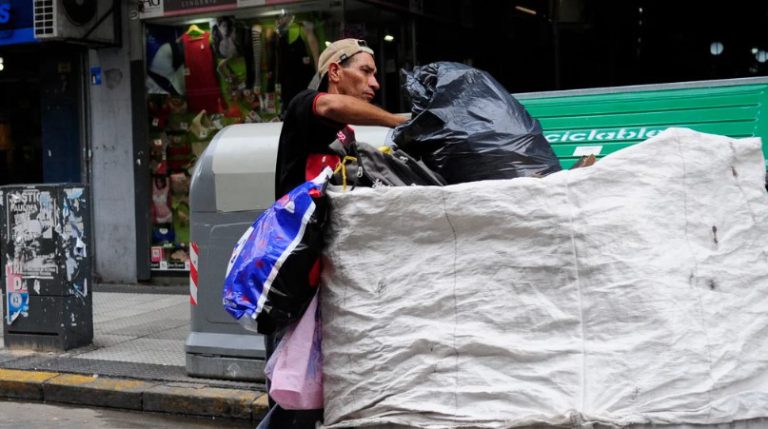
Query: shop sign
{"x": 150, "y": 8}
{"x": 158, "y": 8}
{"x": 5, "y": 13}
{"x": 174, "y": 7}
{"x": 16, "y": 22}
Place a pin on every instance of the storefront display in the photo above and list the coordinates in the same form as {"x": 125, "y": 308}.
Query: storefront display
{"x": 230, "y": 62}
{"x": 203, "y": 76}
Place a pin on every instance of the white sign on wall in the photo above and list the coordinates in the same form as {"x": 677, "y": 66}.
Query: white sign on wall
{"x": 156, "y": 8}
{"x": 150, "y": 8}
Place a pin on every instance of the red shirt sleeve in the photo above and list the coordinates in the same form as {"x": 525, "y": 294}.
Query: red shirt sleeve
{"x": 314, "y": 102}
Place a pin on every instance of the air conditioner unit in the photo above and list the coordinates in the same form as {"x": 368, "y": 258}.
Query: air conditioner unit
{"x": 89, "y": 22}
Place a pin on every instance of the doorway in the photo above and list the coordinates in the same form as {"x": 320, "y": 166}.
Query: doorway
{"x": 20, "y": 119}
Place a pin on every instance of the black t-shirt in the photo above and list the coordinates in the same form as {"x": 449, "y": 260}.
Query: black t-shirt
{"x": 303, "y": 133}
{"x": 295, "y": 69}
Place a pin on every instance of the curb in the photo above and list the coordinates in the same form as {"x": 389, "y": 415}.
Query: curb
{"x": 137, "y": 395}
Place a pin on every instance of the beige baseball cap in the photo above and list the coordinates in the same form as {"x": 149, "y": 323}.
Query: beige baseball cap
{"x": 337, "y": 52}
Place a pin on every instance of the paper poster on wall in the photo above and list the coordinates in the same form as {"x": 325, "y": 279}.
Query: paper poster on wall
{"x": 73, "y": 240}
{"x": 31, "y": 220}
{"x": 17, "y": 294}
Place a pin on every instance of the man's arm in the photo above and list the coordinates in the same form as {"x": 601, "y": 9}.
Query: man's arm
{"x": 345, "y": 109}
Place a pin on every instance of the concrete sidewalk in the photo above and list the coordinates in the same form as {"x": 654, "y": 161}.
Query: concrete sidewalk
{"x": 136, "y": 362}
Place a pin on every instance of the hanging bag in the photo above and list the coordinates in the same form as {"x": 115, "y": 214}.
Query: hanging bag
{"x": 273, "y": 272}
{"x": 295, "y": 369}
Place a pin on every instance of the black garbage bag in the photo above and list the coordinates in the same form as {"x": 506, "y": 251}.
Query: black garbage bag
{"x": 368, "y": 166}
{"x": 467, "y": 127}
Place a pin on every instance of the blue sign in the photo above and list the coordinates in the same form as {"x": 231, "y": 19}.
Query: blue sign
{"x": 95, "y": 75}
{"x": 5, "y": 13}
{"x": 18, "y": 304}
{"x": 16, "y": 22}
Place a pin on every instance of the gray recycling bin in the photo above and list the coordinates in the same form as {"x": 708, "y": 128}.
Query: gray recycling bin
{"x": 232, "y": 185}
{"x": 46, "y": 266}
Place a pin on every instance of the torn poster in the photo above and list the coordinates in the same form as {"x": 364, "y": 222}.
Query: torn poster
{"x": 31, "y": 220}
{"x": 74, "y": 240}
{"x": 17, "y": 294}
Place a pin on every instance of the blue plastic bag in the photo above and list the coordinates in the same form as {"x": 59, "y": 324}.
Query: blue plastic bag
{"x": 267, "y": 284}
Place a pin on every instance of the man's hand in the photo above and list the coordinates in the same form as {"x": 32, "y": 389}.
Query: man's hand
{"x": 345, "y": 109}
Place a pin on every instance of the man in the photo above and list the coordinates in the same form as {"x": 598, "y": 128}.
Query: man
{"x": 339, "y": 94}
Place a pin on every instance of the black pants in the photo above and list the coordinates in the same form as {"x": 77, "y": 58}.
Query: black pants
{"x": 277, "y": 417}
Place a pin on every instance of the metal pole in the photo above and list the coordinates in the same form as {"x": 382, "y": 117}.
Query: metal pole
{"x": 413, "y": 41}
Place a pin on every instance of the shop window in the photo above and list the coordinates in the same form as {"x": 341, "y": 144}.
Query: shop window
{"x": 203, "y": 76}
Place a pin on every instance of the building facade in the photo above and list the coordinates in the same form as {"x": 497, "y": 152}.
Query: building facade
{"x": 125, "y": 95}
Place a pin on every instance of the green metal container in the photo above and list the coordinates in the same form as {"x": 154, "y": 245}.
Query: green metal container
{"x": 603, "y": 120}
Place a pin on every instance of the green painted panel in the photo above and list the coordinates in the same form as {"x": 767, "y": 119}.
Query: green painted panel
{"x": 569, "y": 150}
{"x": 751, "y": 100}
{"x": 567, "y": 163}
{"x": 603, "y": 123}
{"x": 657, "y": 93}
{"x": 663, "y": 117}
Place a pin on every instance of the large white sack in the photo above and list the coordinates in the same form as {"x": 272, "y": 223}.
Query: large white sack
{"x": 632, "y": 291}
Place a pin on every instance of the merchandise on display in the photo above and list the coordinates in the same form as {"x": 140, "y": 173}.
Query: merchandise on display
{"x": 203, "y": 77}
{"x": 202, "y": 91}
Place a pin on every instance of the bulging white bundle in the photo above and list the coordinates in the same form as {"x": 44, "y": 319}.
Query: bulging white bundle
{"x": 632, "y": 291}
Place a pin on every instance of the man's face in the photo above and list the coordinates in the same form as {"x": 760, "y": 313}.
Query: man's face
{"x": 357, "y": 77}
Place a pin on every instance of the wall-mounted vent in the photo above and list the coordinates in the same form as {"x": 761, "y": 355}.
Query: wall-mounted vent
{"x": 89, "y": 22}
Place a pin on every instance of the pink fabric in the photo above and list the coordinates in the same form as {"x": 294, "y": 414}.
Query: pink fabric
{"x": 296, "y": 367}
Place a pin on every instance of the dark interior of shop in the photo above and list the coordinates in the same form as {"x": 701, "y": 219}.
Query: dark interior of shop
{"x": 204, "y": 73}
{"x": 20, "y": 112}
{"x": 39, "y": 114}
{"x": 537, "y": 45}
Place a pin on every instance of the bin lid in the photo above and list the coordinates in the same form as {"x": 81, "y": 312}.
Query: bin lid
{"x": 236, "y": 172}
